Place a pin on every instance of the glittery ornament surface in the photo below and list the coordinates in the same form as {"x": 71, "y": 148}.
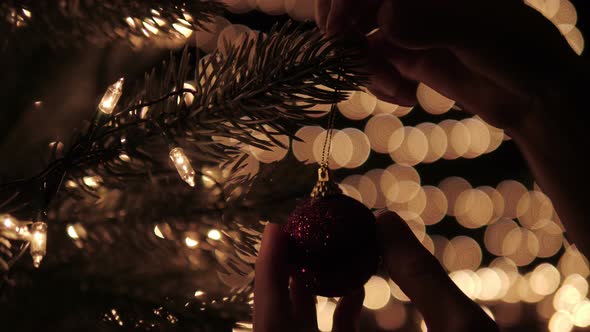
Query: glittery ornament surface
{"x": 333, "y": 245}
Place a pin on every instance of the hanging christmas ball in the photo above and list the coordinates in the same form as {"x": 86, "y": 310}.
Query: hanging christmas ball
{"x": 332, "y": 241}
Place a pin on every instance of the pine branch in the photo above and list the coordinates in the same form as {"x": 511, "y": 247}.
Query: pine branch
{"x": 100, "y": 22}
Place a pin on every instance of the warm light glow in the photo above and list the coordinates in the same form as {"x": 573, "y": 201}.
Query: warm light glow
{"x": 38, "y": 242}
{"x": 512, "y": 191}
{"x": 495, "y": 236}
{"x": 561, "y": 321}
{"x": 459, "y": 138}
{"x": 397, "y": 293}
{"x": 578, "y": 282}
{"x": 377, "y": 293}
{"x": 522, "y": 245}
{"x": 480, "y": 137}
{"x": 111, "y": 97}
{"x": 497, "y": 202}
{"x": 566, "y": 14}
{"x": 342, "y": 149}
{"x": 566, "y": 298}
{"x": 402, "y": 185}
{"x": 72, "y": 232}
{"x": 361, "y": 147}
{"x": 402, "y": 111}
{"x": 150, "y": 27}
{"x": 473, "y": 208}
{"x": 8, "y": 222}
{"x": 491, "y": 284}
{"x": 376, "y": 175}
{"x": 358, "y": 106}
{"x": 183, "y": 29}
{"x": 183, "y": 166}
{"x": 206, "y": 37}
{"x": 545, "y": 279}
{"x": 214, "y": 235}
{"x": 303, "y": 151}
{"x": 452, "y": 187}
{"x": 467, "y": 281}
{"x": 364, "y": 186}
{"x": 190, "y": 242}
{"x": 383, "y": 107}
{"x": 199, "y": 293}
{"x": 550, "y": 239}
{"x": 382, "y": 131}
{"x": 546, "y": 7}
{"x": 235, "y": 34}
{"x": 437, "y": 141}
{"x": 92, "y": 181}
{"x": 436, "y": 205}
{"x": 272, "y": 153}
{"x": 413, "y": 148}
{"x": 158, "y": 233}
{"x": 350, "y": 191}
{"x": 325, "y": 317}
{"x": 535, "y": 210}
{"x": 573, "y": 262}
{"x": 468, "y": 253}
{"x": 581, "y": 313}
{"x": 525, "y": 291}
{"x": 432, "y": 101}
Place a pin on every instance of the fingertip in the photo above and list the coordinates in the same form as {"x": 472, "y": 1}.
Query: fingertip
{"x": 322, "y": 10}
{"x": 348, "y": 311}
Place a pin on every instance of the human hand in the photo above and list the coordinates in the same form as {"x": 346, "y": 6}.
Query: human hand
{"x": 499, "y": 59}
{"x": 409, "y": 264}
{"x": 281, "y": 304}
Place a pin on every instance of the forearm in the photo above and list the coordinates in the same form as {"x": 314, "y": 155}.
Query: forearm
{"x": 555, "y": 144}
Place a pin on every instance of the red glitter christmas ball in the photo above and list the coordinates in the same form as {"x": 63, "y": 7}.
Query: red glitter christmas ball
{"x": 332, "y": 244}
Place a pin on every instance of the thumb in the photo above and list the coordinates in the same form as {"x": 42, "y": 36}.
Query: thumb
{"x": 422, "y": 278}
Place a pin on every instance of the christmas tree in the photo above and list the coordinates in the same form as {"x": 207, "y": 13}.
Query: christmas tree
{"x": 155, "y": 139}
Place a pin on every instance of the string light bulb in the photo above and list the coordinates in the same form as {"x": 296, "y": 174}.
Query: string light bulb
{"x": 111, "y": 97}
{"x": 183, "y": 165}
{"x": 38, "y": 242}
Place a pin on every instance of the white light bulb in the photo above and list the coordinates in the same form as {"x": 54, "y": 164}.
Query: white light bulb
{"x": 183, "y": 166}
{"x": 111, "y": 97}
{"x": 214, "y": 234}
{"x": 38, "y": 242}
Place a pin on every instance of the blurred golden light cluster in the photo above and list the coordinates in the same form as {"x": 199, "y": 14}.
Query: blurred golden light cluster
{"x": 301, "y": 10}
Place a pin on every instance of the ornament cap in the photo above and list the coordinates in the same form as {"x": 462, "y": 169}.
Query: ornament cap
{"x": 325, "y": 186}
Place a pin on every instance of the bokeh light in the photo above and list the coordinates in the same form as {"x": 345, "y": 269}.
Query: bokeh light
{"x": 432, "y": 101}
{"x": 413, "y": 148}
{"x": 383, "y": 132}
{"x": 458, "y": 137}
{"x": 480, "y": 138}
{"x": 545, "y": 279}
{"x": 358, "y": 106}
{"x": 361, "y": 147}
{"x": 436, "y": 205}
{"x": 377, "y": 293}
{"x": 303, "y": 150}
{"x": 437, "y": 141}
{"x": 474, "y": 208}
{"x": 512, "y": 191}
{"x": 452, "y": 187}
{"x": 365, "y": 187}
{"x": 273, "y": 153}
